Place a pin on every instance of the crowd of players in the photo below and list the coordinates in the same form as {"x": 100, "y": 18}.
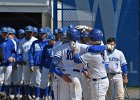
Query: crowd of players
{"x": 70, "y": 64}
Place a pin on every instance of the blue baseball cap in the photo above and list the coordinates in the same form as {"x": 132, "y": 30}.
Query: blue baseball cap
{"x": 21, "y": 31}
{"x": 11, "y": 30}
{"x": 28, "y": 28}
{"x": 4, "y": 30}
{"x": 50, "y": 37}
{"x": 35, "y": 29}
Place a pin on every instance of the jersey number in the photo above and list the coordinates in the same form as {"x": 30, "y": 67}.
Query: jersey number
{"x": 69, "y": 55}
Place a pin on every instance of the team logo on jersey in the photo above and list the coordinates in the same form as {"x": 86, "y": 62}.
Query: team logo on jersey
{"x": 37, "y": 47}
{"x": 114, "y": 59}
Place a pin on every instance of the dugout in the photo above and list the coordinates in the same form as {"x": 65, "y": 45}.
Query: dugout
{"x": 20, "y": 13}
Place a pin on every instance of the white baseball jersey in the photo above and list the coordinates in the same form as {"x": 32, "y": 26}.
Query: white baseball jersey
{"x": 82, "y": 48}
{"x": 116, "y": 60}
{"x": 24, "y": 47}
{"x": 95, "y": 63}
{"x": 65, "y": 52}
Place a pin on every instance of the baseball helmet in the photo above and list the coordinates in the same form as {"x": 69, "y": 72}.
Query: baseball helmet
{"x": 71, "y": 26}
{"x": 96, "y": 35}
{"x": 73, "y": 34}
{"x": 84, "y": 34}
{"x": 29, "y": 28}
{"x": 21, "y": 31}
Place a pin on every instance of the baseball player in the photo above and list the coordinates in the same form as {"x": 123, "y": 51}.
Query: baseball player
{"x": 96, "y": 67}
{"x": 70, "y": 70}
{"x": 35, "y": 54}
{"x": 23, "y": 49}
{"x": 84, "y": 39}
{"x": 12, "y": 33}
{"x": 56, "y": 81}
{"x": 19, "y": 69}
{"x": 45, "y": 63}
{"x": 8, "y": 48}
{"x": 117, "y": 71}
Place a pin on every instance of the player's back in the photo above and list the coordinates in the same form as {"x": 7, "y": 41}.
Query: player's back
{"x": 95, "y": 63}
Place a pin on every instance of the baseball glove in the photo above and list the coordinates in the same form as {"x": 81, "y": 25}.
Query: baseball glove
{"x": 1, "y": 55}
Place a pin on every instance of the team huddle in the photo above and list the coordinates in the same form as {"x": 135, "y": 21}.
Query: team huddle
{"x": 72, "y": 63}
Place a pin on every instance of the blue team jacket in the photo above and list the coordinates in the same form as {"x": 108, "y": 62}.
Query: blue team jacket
{"x": 35, "y": 52}
{"x": 46, "y": 58}
{"x": 8, "y": 47}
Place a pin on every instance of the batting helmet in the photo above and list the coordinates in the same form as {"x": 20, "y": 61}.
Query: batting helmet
{"x": 96, "y": 35}
{"x": 84, "y": 34}
{"x": 73, "y": 34}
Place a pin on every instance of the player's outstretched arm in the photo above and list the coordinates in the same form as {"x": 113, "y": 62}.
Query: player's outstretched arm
{"x": 96, "y": 49}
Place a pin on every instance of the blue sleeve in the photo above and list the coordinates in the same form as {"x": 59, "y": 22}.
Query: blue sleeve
{"x": 97, "y": 48}
{"x": 43, "y": 57}
{"x": 106, "y": 66}
{"x": 19, "y": 57}
{"x": 54, "y": 63}
{"x": 124, "y": 69}
{"x": 77, "y": 58}
{"x": 13, "y": 50}
{"x": 31, "y": 53}
{"x": 58, "y": 72}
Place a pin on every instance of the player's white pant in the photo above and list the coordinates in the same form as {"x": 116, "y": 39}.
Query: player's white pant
{"x": 26, "y": 74}
{"x": 56, "y": 87}
{"x": 73, "y": 90}
{"x": 99, "y": 89}
{"x": 20, "y": 77}
{"x": 86, "y": 87}
{"x": 14, "y": 76}
{"x": 5, "y": 75}
{"x": 116, "y": 89}
{"x": 17, "y": 75}
{"x": 36, "y": 77}
{"x": 44, "y": 78}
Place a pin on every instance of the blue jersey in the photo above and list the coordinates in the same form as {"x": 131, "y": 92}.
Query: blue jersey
{"x": 47, "y": 56}
{"x": 8, "y": 47}
{"x": 35, "y": 52}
